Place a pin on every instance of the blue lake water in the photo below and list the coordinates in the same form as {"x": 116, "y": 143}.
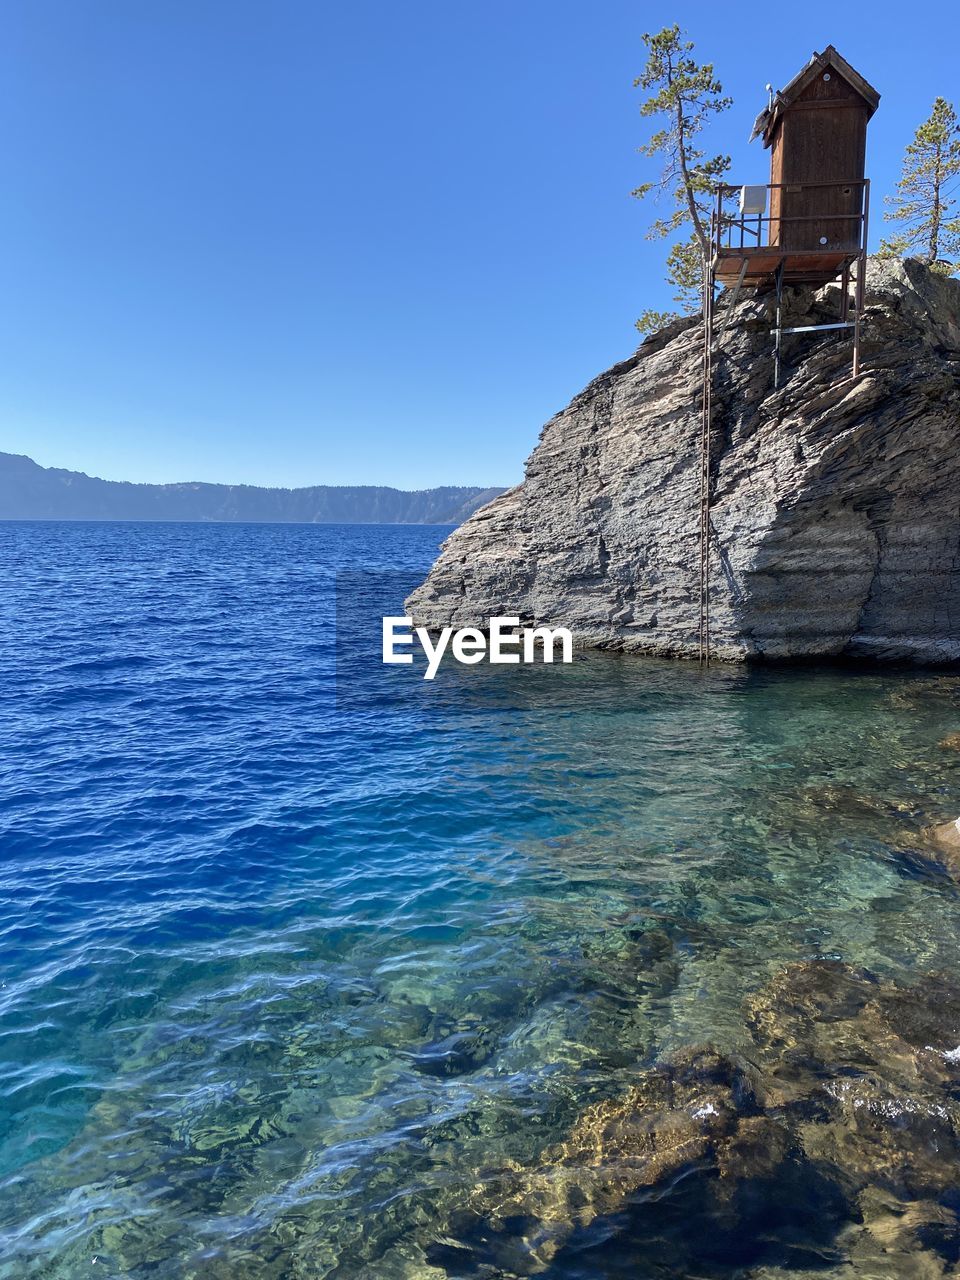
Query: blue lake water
{"x": 296, "y": 949}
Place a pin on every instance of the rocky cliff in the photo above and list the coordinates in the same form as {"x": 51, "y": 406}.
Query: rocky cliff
{"x": 835, "y": 524}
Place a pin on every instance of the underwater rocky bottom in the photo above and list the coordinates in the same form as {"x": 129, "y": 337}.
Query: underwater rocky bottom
{"x": 827, "y": 1146}
{"x": 616, "y": 969}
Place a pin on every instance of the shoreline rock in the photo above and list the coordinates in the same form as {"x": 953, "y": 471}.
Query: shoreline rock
{"x": 835, "y": 531}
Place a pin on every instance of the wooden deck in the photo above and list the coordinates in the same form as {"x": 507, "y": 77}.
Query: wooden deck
{"x": 800, "y": 266}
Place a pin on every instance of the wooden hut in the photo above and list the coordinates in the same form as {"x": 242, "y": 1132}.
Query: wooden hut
{"x": 816, "y": 129}
{"x": 815, "y": 228}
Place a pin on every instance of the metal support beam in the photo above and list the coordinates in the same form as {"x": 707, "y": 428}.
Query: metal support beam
{"x": 734, "y": 295}
{"x": 816, "y": 328}
{"x": 861, "y": 281}
{"x": 779, "y": 329}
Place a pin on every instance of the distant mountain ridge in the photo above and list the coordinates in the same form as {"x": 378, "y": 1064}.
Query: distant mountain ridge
{"x": 31, "y": 492}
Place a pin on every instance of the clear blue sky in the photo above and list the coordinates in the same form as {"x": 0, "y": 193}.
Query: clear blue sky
{"x": 294, "y": 242}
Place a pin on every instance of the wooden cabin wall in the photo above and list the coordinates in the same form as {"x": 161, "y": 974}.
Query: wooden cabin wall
{"x": 821, "y": 138}
{"x": 776, "y": 196}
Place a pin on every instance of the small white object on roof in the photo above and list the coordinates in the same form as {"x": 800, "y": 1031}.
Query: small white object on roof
{"x": 753, "y": 201}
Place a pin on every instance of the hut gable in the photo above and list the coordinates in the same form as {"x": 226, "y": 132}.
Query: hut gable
{"x": 844, "y": 86}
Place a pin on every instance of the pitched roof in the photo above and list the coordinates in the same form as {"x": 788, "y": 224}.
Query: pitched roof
{"x": 783, "y": 98}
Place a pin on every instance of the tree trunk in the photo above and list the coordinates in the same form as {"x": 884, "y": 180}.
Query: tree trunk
{"x": 685, "y": 173}
{"x": 933, "y": 250}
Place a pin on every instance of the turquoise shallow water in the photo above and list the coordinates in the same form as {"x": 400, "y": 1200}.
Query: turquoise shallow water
{"x": 286, "y": 974}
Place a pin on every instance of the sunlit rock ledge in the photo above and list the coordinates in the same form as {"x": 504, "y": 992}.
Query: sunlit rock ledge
{"x": 835, "y": 500}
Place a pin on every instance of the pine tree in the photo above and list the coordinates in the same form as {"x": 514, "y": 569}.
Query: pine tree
{"x": 686, "y": 94}
{"x": 922, "y": 203}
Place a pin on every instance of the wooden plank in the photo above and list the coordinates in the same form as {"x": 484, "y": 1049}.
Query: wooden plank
{"x": 798, "y": 268}
{"x": 793, "y": 260}
{"x": 817, "y": 104}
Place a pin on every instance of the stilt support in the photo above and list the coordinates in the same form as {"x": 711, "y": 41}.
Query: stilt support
{"x": 778, "y": 331}
{"x": 861, "y": 280}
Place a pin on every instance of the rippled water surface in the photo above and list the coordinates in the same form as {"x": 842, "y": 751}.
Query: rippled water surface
{"x": 288, "y": 977}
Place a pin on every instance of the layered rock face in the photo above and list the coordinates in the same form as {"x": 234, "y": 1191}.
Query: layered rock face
{"x": 835, "y": 505}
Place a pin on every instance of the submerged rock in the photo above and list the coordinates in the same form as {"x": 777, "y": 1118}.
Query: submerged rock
{"x": 832, "y": 1139}
{"x": 834, "y": 525}
{"x": 671, "y": 1123}
{"x": 466, "y": 1048}
{"x": 941, "y": 847}
{"x": 946, "y": 835}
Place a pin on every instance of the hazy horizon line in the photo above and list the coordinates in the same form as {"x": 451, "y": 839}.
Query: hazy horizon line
{"x": 251, "y": 484}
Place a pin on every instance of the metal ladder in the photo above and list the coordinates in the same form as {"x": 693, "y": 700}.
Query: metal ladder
{"x": 704, "y": 466}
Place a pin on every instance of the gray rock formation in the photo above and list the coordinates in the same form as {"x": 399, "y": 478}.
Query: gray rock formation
{"x": 835, "y": 500}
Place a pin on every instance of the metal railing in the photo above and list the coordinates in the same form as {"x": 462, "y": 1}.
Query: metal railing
{"x": 737, "y": 231}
